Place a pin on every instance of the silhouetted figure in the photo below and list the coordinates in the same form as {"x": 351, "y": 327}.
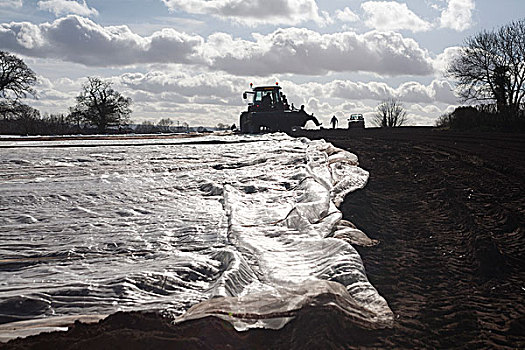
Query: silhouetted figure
{"x": 334, "y": 122}
{"x": 233, "y": 127}
{"x": 285, "y": 101}
{"x": 266, "y": 102}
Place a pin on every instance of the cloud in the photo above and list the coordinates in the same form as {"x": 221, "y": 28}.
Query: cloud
{"x": 61, "y": 7}
{"x": 415, "y": 92}
{"x": 437, "y": 91}
{"x": 11, "y": 3}
{"x": 427, "y": 114}
{"x": 80, "y": 40}
{"x": 443, "y": 91}
{"x": 303, "y": 51}
{"x": 48, "y": 92}
{"x": 209, "y": 86}
{"x": 291, "y": 50}
{"x": 428, "y": 109}
{"x": 442, "y": 61}
{"x": 346, "y": 15}
{"x": 254, "y": 12}
{"x": 457, "y": 15}
{"x": 227, "y": 87}
{"x": 351, "y": 90}
{"x": 391, "y": 15}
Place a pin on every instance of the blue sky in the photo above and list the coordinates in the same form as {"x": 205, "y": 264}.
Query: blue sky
{"x": 190, "y": 60}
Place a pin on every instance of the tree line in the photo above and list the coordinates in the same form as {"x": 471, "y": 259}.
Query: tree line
{"x": 98, "y": 106}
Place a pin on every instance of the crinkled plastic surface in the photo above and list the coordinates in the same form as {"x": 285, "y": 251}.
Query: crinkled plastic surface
{"x": 247, "y": 221}
{"x": 272, "y": 310}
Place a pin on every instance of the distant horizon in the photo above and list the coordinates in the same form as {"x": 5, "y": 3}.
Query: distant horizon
{"x": 191, "y": 61}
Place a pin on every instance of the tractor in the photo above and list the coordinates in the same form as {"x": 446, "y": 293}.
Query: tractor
{"x": 269, "y": 111}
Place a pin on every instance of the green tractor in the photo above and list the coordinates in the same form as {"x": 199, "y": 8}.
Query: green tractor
{"x": 269, "y": 112}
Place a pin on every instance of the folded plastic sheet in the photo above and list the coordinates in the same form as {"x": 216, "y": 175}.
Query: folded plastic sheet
{"x": 295, "y": 249}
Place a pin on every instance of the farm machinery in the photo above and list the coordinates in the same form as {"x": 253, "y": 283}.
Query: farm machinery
{"x": 269, "y": 111}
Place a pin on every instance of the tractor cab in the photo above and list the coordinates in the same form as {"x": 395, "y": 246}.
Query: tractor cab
{"x": 266, "y": 98}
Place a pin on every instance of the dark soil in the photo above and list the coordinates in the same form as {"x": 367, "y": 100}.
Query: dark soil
{"x": 449, "y": 211}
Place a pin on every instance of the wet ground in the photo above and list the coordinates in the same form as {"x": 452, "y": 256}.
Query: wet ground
{"x": 449, "y": 211}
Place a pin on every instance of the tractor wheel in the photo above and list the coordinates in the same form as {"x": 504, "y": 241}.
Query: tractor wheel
{"x": 247, "y": 126}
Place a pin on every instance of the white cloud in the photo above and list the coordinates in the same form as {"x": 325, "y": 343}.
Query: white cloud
{"x": 346, "y": 15}
{"x": 254, "y": 12}
{"x": 81, "y": 40}
{"x": 61, "y": 7}
{"x": 415, "y": 92}
{"x": 442, "y": 61}
{"x": 391, "y": 16}
{"x": 426, "y": 114}
{"x": 302, "y": 51}
{"x": 290, "y": 50}
{"x": 457, "y": 15}
{"x": 438, "y": 91}
{"x": 443, "y": 91}
{"x": 351, "y": 90}
{"x": 227, "y": 88}
{"x": 210, "y": 86}
{"x": 29, "y": 36}
{"x": 48, "y": 92}
{"x": 428, "y": 109}
{"x": 11, "y": 3}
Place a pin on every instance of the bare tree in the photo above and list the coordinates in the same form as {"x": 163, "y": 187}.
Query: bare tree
{"x": 16, "y": 78}
{"x": 75, "y": 117}
{"x": 165, "y": 124}
{"x": 491, "y": 67}
{"x": 8, "y": 109}
{"x": 147, "y": 127}
{"x": 101, "y": 105}
{"x": 28, "y": 120}
{"x": 390, "y": 114}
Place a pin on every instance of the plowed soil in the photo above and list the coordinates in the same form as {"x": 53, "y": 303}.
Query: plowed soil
{"x": 449, "y": 211}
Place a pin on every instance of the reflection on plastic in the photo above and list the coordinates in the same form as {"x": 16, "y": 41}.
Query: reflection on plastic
{"x": 246, "y": 228}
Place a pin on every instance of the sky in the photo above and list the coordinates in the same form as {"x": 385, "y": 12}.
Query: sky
{"x": 191, "y": 60}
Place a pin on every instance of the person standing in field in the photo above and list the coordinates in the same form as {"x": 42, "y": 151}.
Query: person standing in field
{"x": 334, "y": 122}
